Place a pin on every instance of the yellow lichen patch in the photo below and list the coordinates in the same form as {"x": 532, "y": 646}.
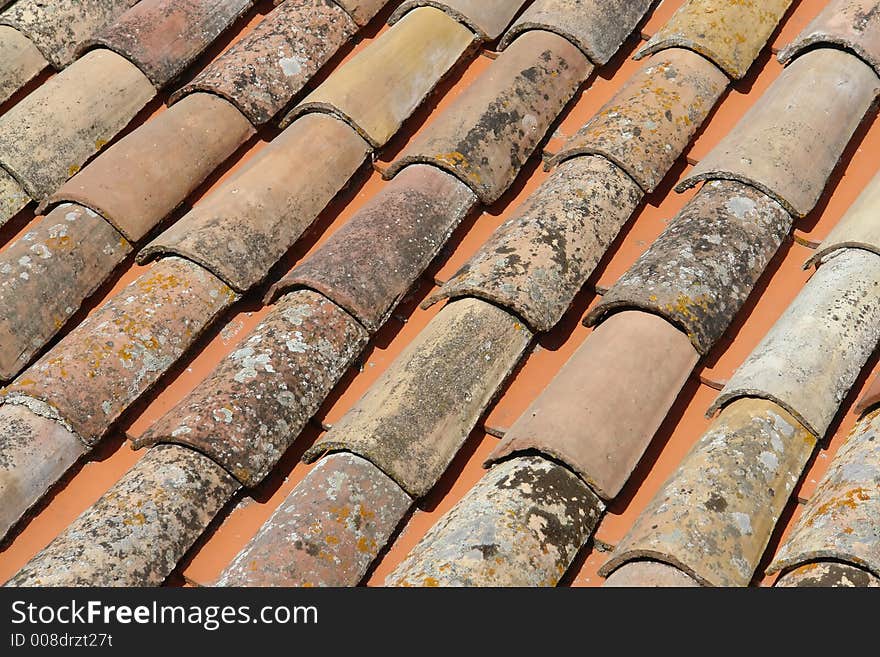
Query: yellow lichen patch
{"x": 432, "y": 582}
{"x": 100, "y": 143}
{"x": 365, "y": 545}
{"x": 848, "y": 500}
{"x": 137, "y": 519}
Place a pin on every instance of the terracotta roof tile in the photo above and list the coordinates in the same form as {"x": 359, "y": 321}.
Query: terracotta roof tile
{"x": 829, "y": 574}
{"x": 262, "y": 72}
{"x": 142, "y": 178}
{"x": 153, "y": 514}
{"x": 767, "y": 150}
{"x": 731, "y": 34}
{"x": 379, "y": 88}
{"x": 121, "y": 350}
{"x": 853, "y": 25}
{"x": 13, "y": 197}
{"x": 519, "y": 526}
{"x": 59, "y": 27}
{"x": 801, "y": 364}
{"x": 714, "y": 517}
{"x": 463, "y": 357}
{"x": 241, "y": 230}
{"x": 163, "y": 37}
{"x": 840, "y": 521}
{"x": 20, "y": 61}
{"x": 700, "y": 270}
{"x": 397, "y": 234}
{"x": 49, "y": 135}
{"x": 653, "y": 118}
{"x": 486, "y": 18}
{"x": 37, "y": 445}
{"x": 538, "y": 259}
{"x": 62, "y": 259}
{"x": 258, "y": 400}
{"x": 599, "y": 413}
{"x": 327, "y": 532}
{"x": 649, "y": 573}
{"x": 597, "y": 27}
{"x": 362, "y": 11}
{"x": 495, "y": 125}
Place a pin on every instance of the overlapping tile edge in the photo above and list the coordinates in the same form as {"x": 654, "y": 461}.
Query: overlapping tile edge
{"x": 609, "y": 320}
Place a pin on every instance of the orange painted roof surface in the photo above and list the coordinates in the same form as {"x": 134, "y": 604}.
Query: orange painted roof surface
{"x": 686, "y": 422}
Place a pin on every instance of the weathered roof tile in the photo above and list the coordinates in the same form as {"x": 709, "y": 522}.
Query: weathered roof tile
{"x": 859, "y": 227}
{"x": 124, "y": 347}
{"x": 520, "y": 525}
{"x": 139, "y": 181}
{"x": 535, "y": 263}
{"x": 36, "y": 445}
{"x": 487, "y": 18}
{"x": 251, "y": 408}
{"x": 458, "y": 362}
{"x": 241, "y": 230}
{"x": 327, "y": 532}
{"x": 262, "y": 73}
{"x": 824, "y": 93}
{"x": 362, "y": 11}
{"x": 45, "y": 276}
{"x": 851, "y": 24}
{"x": 871, "y": 397}
{"x": 826, "y": 574}
{"x": 140, "y": 528}
{"x": 20, "y": 61}
{"x": 597, "y": 27}
{"x": 370, "y": 263}
{"x": 649, "y": 574}
{"x": 49, "y": 135}
{"x": 380, "y": 87}
{"x": 492, "y": 128}
{"x": 652, "y": 119}
{"x": 600, "y": 412}
{"x": 841, "y": 521}
{"x": 163, "y": 37}
{"x": 814, "y": 353}
{"x": 704, "y": 265}
{"x": 12, "y": 197}
{"x": 731, "y": 34}
{"x": 59, "y": 27}
{"x": 713, "y": 518}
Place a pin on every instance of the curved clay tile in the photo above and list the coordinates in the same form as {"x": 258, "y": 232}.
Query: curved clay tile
{"x": 841, "y": 522}
{"x": 20, "y": 61}
{"x": 36, "y": 444}
{"x": 152, "y": 516}
{"x": 704, "y": 265}
{"x": 814, "y": 353}
{"x": 652, "y": 119}
{"x": 381, "y": 86}
{"x": 12, "y": 197}
{"x": 59, "y": 27}
{"x": 124, "y": 347}
{"x": 486, "y": 135}
{"x": 141, "y": 179}
{"x": 536, "y": 262}
{"x": 714, "y": 516}
{"x": 871, "y": 397}
{"x": 463, "y": 356}
{"x": 731, "y": 34}
{"x": 824, "y": 93}
{"x": 859, "y": 228}
{"x": 255, "y": 403}
{"x": 486, "y": 18}
{"x": 362, "y": 11}
{"x": 850, "y": 24}
{"x": 372, "y": 261}
{"x": 597, "y": 27}
{"x": 163, "y": 37}
{"x": 520, "y": 525}
{"x": 48, "y": 136}
{"x": 649, "y": 574}
{"x": 601, "y": 411}
{"x": 241, "y": 229}
{"x": 327, "y": 532}
{"x": 261, "y": 73}
{"x": 826, "y": 574}
{"x": 46, "y": 274}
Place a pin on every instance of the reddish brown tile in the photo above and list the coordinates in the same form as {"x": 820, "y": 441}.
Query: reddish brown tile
{"x": 829, "y": 574}
{"x": 20, "y": 61}
{"x": 487, "y": 18}
{"x": 649, "y": 574}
